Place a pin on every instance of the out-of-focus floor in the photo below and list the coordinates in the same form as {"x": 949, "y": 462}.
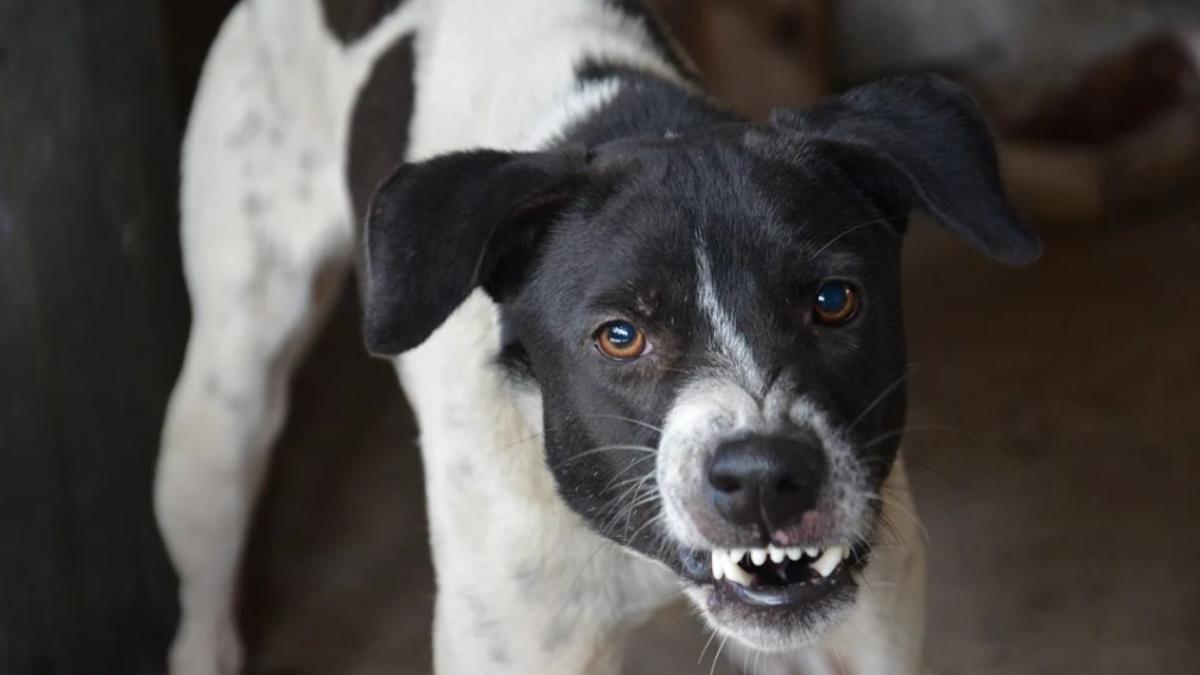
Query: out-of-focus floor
{"x": 1061, "y": 507}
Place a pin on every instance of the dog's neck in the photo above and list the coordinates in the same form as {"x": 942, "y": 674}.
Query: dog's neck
{"x": 642, "y": 104}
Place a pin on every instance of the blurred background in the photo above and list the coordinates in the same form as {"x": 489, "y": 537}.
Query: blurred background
{"x": 1055, "y": 411}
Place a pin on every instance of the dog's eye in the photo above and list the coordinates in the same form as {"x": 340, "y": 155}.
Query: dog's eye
{"x": 836, "y": 303}
{"x": 621, "y": 340}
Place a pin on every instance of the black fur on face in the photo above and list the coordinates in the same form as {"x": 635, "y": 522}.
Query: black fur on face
{"x": 627, "y": 250}
{"x": 713, "y": 240}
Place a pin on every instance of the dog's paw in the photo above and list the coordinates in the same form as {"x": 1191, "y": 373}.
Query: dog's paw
{"x": 206, "y": 648}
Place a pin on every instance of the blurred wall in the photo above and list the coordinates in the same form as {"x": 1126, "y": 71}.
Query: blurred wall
{"x": 93, "y": 316}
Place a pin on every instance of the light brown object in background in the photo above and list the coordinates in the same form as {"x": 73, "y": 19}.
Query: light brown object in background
{"x": 1074, "y": 186}
{"x": 755, "y": 54}
{"x": 1123, "y": 137}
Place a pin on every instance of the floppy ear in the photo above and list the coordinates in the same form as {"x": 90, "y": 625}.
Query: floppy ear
{"x": 438, "y": 229}
{"x": 924, "y": 144}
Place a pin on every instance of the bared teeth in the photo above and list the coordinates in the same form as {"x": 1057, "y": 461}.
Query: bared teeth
{"x": 828, "y": 562}
{"x": 734, "y": 572}
{"x": 777, "y": 555}
{"x": 727, "y": 563}
{"x": 725, "y": 566}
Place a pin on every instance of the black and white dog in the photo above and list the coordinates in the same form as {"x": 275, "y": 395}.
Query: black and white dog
{"x": 651, "y": 347}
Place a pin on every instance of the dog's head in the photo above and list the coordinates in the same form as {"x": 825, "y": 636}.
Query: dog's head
{"x": 712, "y": 321}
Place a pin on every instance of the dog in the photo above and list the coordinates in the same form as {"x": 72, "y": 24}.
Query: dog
{"x": 652, "y": 348}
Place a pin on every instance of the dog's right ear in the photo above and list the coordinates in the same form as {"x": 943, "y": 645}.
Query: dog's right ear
{"x": 438, "y": 229}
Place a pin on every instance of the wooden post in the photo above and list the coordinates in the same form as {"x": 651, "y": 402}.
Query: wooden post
{"x": 93, "y": 317}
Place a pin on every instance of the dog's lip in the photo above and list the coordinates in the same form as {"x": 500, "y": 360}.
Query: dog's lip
{"x": 790, "y": 596}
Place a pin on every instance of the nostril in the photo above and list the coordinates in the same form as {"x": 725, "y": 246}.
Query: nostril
{"x": 787, "y": 485}
{"x": 725, "y": 483}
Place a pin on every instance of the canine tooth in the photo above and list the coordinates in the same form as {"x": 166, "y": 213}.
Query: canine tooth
{"x": 777, "y": 554}
{"x": 845, "y": 553}
{"x": 758, "y": 556}
{"x": 812, "y": 552}
{"x": 828, "y": 562}
{"x": 736, "y": 574}
{"x": 736, "y": 554}
{"x": 718, "y": 564}
{"x": 795, "y": 553}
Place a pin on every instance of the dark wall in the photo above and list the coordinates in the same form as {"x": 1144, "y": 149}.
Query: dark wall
{"x": 93, "y": 318}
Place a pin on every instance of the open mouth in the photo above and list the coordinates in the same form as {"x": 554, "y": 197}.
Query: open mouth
{"x": 774, "y": 576}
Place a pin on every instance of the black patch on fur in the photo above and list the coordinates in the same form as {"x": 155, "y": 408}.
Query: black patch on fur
{"x": 379, "y": 126}
{"x": 439, "y": 229}
{"x": 349, "y": 20}
{"x": 513, "y": 358}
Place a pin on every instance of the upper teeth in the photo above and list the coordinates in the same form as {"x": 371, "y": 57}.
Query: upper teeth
{"x": 777, "y": 554}
{"x": 725, "y": 561}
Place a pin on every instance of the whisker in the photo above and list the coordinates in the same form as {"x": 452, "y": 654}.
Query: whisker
{"x": 648, "y": 523}
{"x": 717, "y": 656}
{"x": 879, "y": 399}
{"x": 712, "y": 636}
{"x": 610, "y": 448}
{"x": 526, "y": 439}
{"x": 638, "y": 503}
{"x": 626, "y": 419}
{"x": 950, "y": 480}
{"x": 848, "y": 231}
{"x": 919, "y": 428}
{"x": 624, "y": 471}
{"x": 903, "y": 510}
{"x": 624, "y": 507}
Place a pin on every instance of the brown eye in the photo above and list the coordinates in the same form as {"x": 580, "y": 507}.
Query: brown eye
{"x": 835, "y": 304}
{"x": 621, "y": 340}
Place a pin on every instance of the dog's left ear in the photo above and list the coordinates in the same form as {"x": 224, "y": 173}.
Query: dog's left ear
{"x": 922, "y": 141}
{"x": 438, "y": 229}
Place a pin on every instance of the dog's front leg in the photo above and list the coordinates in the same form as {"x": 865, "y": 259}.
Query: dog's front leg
{"x": 267, "y": 243}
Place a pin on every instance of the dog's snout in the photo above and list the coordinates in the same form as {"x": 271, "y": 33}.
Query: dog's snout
{"x": 768, "y": 480}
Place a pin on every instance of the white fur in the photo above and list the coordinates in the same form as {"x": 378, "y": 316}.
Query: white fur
{"x": 715, "y": 408}
{"x": 731, "y": 344}
{"x": 268, "y": 238}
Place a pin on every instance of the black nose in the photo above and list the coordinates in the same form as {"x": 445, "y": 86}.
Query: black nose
{"x": 771, "y": 480}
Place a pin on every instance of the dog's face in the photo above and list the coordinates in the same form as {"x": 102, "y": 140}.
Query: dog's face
{"x": 713, "y": 323}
